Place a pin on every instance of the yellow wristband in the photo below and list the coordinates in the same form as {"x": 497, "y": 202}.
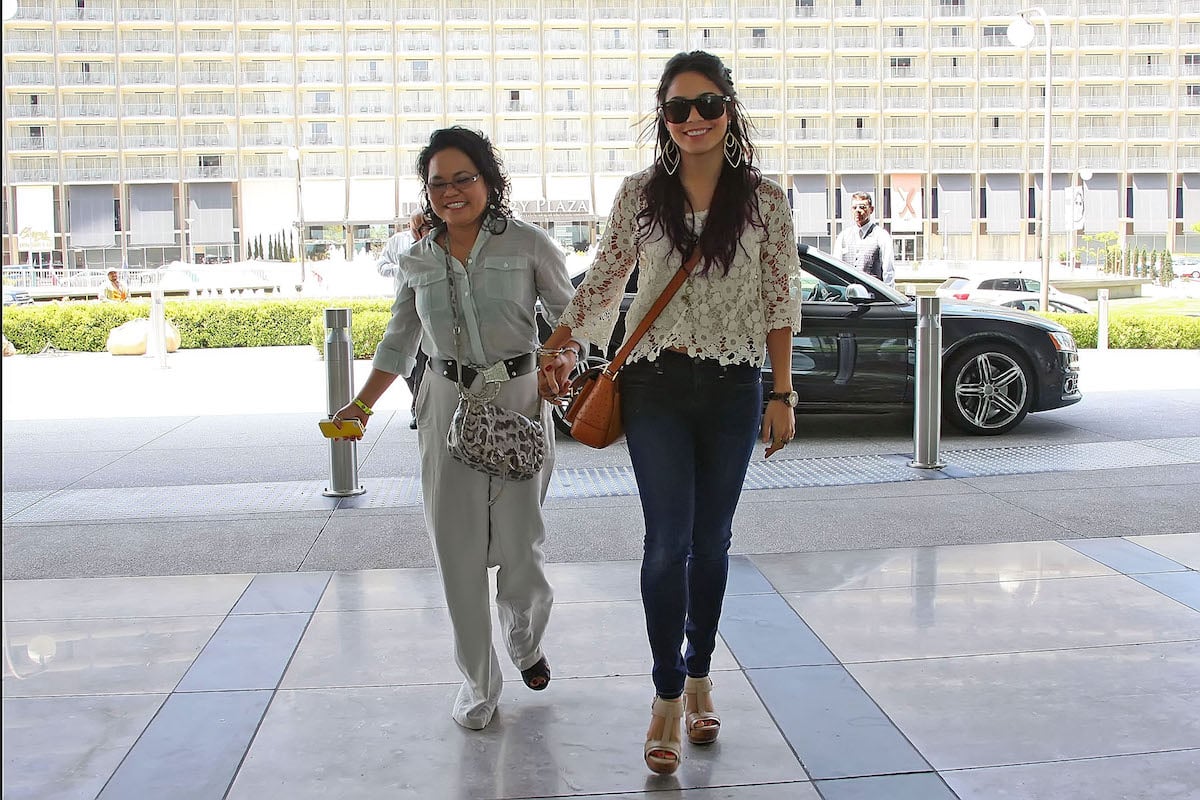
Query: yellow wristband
{"x": 366, "y": 409}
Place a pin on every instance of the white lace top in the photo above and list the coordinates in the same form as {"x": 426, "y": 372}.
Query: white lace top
{"x": 723, "y": 317}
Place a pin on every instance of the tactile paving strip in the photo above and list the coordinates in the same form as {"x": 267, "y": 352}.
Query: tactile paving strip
{"x": 1059, "y": 458}
{"x": 1185, "y": 446}
{"x": 80, "y": 505}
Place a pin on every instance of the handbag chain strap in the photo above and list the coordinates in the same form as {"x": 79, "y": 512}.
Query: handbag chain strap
{"x": 676, "y": 281}
{"x": 454, "y": 312}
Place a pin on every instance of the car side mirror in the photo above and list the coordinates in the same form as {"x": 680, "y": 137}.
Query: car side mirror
{"x": 857, "y": 293}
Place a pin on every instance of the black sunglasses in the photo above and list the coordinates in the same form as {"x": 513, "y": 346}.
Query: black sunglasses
{"x": 710, "y": 106}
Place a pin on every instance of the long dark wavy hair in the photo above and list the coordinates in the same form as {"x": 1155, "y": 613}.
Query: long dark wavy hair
{"x": 483, "y": 155}
{"x": 735, "y": 201}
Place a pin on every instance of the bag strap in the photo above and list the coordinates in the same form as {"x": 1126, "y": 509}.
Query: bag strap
{"x": 631, "y": 342}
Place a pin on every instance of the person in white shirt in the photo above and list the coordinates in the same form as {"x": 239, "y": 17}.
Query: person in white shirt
{"x": 866, "y": 246}
{"x": 692, "y": 393}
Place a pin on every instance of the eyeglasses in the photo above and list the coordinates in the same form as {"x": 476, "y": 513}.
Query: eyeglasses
{"x": 461, "y": 184}
{"x": 710, "y": 106}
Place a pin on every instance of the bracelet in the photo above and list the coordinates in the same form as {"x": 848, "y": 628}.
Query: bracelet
{"x": 366, "y": 409}
{"x": 542, "y": 351}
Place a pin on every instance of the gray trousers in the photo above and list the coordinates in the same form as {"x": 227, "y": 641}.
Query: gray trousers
{"x": 469, "y": 536}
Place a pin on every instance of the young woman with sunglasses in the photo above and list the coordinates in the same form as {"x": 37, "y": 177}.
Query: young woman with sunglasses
{"x": 691, "y": 394}
{"x": 493, "y": 269}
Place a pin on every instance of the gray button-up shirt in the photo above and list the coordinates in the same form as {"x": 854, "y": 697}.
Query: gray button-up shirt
{"x": 497, "y": 289}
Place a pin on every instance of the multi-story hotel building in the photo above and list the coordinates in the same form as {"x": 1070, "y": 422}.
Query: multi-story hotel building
{"x": 133, "y": 130}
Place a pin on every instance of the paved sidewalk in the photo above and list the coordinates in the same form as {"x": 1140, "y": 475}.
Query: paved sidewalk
{"x": 185, "y": 616}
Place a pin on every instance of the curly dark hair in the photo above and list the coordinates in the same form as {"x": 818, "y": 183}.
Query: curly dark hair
{"x": 479, "y": 149}
{"x": 735, "y": 201}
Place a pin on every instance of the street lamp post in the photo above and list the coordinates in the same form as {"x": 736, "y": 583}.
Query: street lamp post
{"x": 186, "y": 255}
{"x": 1020, "y": 34}
{"x": 1082, "y": 176}
{"x": 294, "y": 154}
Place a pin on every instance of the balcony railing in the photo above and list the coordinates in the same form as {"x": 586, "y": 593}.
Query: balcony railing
{"x": 1100, "y": 131}
{"x": 195, "y": 140}
{"x": 1148, "y": 131}
{"x": 27, "y": 44}
{"x": 260, "y": 76}
{"x": 90, "y": 142}
{"x": 258, "y": 139}
{"x": 148, "y": 109}
{"x": 219, "y": 172}
{"x": 266, "y": 13}
{"x": 91, "y": 174}
{"x": 152, "y": 173}
{"x": 20, "y": 174}
{"x": 267, "y": 108}
{"x": 206, "y": 14}
{"x": 195, "y": 44}
{"x": 144, "y": 14}
{"x": 810, "y": 133}
{"x": 148, "y": 45}
{"x": 808, "y": 164}
{"x": 89, "y": 110}
{"x": 72, "y": 44}
{"x": 96, "y": 78}
{"x": 147, "y": 78}
{"x": 90, "y": 13}
{"x": 209, "y": 109}
{"x": 148, "y": 142}
{"x": 29, "y": 77}
{"x": 31, "y": 142}
{"x": 953, "y": 132}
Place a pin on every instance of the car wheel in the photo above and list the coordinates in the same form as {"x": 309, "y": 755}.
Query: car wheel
{"x": 557, "y": 410}
{"x": 986, "y": 389}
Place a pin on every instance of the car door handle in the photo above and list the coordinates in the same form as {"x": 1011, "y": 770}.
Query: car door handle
{"x": 847, "y": 356}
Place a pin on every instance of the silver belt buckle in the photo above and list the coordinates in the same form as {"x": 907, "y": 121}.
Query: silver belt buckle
{"x": 496, "y": 373}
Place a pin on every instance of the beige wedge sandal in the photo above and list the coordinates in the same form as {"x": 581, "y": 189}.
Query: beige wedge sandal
{"x": 703, "y": 724}
{"x": 664, "y": 753}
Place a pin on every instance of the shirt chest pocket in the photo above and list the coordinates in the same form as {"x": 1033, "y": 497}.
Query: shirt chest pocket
{"x": 508, "y": 278}
{"x": 432, "y": 292}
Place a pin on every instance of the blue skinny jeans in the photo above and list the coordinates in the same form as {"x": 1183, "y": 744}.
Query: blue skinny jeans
{"x": 691, "y": 425}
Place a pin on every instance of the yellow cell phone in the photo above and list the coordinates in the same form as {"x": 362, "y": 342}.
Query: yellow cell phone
{"x": 351, "y": 429}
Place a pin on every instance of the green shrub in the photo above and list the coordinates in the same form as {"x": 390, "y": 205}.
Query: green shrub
{"x": 85, "y": 326}
{"x": 1131, "y": 330}
{"x": 367, "y": 327}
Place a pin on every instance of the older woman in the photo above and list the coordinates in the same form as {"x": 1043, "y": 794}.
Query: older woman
{"x": 487, "y": 270}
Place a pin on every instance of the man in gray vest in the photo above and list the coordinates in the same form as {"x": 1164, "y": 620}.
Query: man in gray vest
{"x": 866, "y": 246}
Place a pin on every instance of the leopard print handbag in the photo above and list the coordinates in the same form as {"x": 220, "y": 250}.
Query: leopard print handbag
{"x": 495, "y": 441}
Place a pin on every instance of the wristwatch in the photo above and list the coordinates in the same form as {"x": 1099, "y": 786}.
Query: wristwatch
{"x": 790, "y": 399}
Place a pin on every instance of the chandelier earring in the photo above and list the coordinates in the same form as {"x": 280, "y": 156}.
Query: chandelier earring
{"x": 733, "y": 151}
{"x": 670, "y": 157}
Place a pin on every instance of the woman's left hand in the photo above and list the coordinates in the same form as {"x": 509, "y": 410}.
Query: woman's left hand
{"x": 778, "y": 426}
{"x": 554, "y": 374}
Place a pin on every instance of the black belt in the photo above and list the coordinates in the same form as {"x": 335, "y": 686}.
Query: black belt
{"x": 513, "y": 367}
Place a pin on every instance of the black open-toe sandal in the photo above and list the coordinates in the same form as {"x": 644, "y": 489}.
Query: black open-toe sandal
{"x": 537, "y": 677}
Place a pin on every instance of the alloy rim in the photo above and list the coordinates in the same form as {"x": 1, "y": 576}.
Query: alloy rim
{"x": 990, "y": 390}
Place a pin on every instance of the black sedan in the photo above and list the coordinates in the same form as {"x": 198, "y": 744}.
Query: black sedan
{"x": 855, "y": 353}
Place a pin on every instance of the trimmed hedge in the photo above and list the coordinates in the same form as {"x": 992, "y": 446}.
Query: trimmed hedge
{"x": 368, "y": 332}
{"x": 1134, "y": 331}
{"x": 84, "y": 326}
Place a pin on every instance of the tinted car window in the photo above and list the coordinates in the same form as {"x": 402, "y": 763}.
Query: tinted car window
{"x": 1032, "y": 286}
{"x": 989, "y": 284}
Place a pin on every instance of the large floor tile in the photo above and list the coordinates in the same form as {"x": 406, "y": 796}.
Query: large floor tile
{"x": 379, "y": 539}
{"x": 1026, "y": 707}
{"x": 1181, "y": 547}
{"x": 760, "y": 791}
{"x": 403, "y": 647}
{"x": 836, "y": 728}
{"x": 980, "y": 618}
{"x": 273, "y": 542}
{"x": 102, "y": 656}
{"x": 67, "y": 747}
{"x": 925, "y": 566}
{"x": 83, "y": 598}
{"x": 1123, "y": 555}
{"x": 911, "y": 786}
{"x": 1116, "y": 510}
{"x": 192, "y": 748}
{"x": 383, "y": 589}
{"x": 1146, "y": 776}
{"x": 401, "y": 743}
{"x": 50, "y": 470}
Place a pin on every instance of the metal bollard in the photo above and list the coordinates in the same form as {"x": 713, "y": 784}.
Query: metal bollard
{"x": 1102, "y": 324}
{"x": 927, "y": 417}
{"x": 339, "y": 384}
{"x": 156, "y": 337}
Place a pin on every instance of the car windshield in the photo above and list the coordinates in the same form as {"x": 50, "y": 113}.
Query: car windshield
{"x": 825, "y": 279}
{"x": 954, "y": 283}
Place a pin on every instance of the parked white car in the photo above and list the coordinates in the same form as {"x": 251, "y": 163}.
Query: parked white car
{"x": 995, "y": 290}
{"x": 1033, "y": 302}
